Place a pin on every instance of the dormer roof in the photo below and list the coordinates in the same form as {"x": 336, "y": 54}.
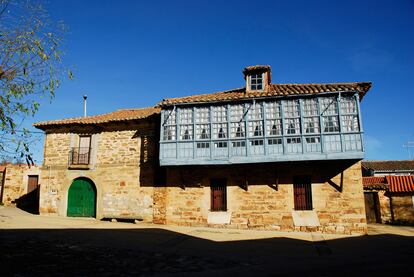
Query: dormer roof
{"x": 255, "y": 68}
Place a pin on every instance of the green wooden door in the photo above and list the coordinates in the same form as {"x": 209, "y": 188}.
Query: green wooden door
{"x": 81, "y": 198}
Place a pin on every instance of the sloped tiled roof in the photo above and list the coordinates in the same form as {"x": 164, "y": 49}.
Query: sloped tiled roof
{"x": 119, "y": 115}
{"x": 374, "y": 182}
{"x": 400, "y": 183}
{"x": 274, "y": 90}
{"x": 389, "y": 166}
{"x": 391, "y": 183}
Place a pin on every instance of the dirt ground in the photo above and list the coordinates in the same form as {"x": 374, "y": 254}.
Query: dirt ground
{"x": 33, "y": 245}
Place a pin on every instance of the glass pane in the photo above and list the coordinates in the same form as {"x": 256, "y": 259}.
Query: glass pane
{"x": 329, "y": 106}
{"x": 169, "y": 117}
{"x": 350, "y": 123}
{"x": 220, "y": 130}
{"x": 203, "y": 131}
{"x": 273, "y": 110}
{"x": 291, "y": 108}
{"x": 186, "y": 132}
{"x": 169, "y": 132}
{"x": 292, "y": 126}
{"x": 348, "y": 105}
{"x": 236, "y": 113}
{"x": 255, "y": 111}
{"x": 274, "y": 127}
{"x": 330, "y": 124}
{"x": 219, "y": 114}
{"x": 186, "y": 116}
{"x": 311, "y": 125}
{"x": 310, "y": 107}
{"x": 202, "y": 115}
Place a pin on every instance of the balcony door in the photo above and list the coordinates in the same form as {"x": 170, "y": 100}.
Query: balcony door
{"x": 84, "y": 149}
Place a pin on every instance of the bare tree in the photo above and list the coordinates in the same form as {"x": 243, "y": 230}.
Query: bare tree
{"x": 30, "y": 68}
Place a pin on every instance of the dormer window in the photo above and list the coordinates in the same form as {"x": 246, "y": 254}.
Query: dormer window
{"x": 257, "y": 77}
{"x": 256, "y": 81}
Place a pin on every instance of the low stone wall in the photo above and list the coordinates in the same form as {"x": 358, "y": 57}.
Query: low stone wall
{"x": 403, "y": 208}
{"x": 261, "y": 197}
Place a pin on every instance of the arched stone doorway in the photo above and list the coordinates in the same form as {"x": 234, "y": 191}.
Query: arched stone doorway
{"x": 82, "y": 198}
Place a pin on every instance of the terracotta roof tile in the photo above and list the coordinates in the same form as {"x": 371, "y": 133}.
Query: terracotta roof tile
{"x": 119, "y": 115}
{"x": 401, "y": 183}
{"x": 274, "y": 90}
{"x": 374, "y": 183}
{"x": 255, "y": 67}
{"x": 403, "y": 165}
{"x": 391, "y": 183}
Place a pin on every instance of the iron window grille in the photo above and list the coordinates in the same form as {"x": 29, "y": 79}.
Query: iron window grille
{"x": 79, "y": 156}
{"x": 302, "y": 191}
{"x": 218, "y": 196}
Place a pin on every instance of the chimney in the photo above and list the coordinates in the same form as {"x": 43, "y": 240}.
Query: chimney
{"x": 84, "y": 105}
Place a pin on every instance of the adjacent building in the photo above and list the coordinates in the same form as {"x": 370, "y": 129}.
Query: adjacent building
{"x": 386, "y": 168}
{"x": 265, "y": 156}
{"x": 19, "y": 184}
{"x": 389, "y": 191}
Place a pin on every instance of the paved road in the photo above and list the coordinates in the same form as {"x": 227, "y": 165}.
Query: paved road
{"x": 54, "y": 246}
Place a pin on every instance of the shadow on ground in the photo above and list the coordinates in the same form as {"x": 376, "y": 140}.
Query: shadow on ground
{"x": 29, "y": 202}
{"x": 143, "y": 252}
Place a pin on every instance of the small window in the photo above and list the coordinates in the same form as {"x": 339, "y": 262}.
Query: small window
{"x": 313, "y": 140}
{"x": 218, "y": 195}
{"x": 256, "y": 82}
{"x": 257, "y": 142}
{"x": 221, "y": 144}
{"x": 293, "y": 140}
{"x": 241, "y": 143}
{"x": 203, "y": 145}
{"x": 275, "y": 141}
{"x": 302, "y": 191}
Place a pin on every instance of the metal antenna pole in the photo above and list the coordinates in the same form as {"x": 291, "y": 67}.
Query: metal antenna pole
{"x": 409, "y": 145}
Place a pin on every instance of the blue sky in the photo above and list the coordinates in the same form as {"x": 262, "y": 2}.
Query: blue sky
{"x": 130, "y": 54}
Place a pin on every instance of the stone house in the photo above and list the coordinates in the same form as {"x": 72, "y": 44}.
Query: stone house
{"x": 17, "y": 181}
{"x": 389, "y": 191}
{"x": 385, "y": 168}
{"x": 265, "y": 156}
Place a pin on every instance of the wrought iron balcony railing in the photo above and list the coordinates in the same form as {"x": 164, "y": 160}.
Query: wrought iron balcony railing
{"x": 79, "y": 156}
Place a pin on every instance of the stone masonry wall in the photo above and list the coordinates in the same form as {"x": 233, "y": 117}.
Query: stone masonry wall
{"x": 403, "y": 208}
{"x": 261, "y": 196}
{"x": 385, "y": 208}
{"x": 16, "y": 181}
{"x": 122, "y": 176}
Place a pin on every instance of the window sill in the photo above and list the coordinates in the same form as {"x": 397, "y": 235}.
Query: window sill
{"x": 219, "y": 217}
{"x": 79, "y": 166}
{"x": 305, "y": 218}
